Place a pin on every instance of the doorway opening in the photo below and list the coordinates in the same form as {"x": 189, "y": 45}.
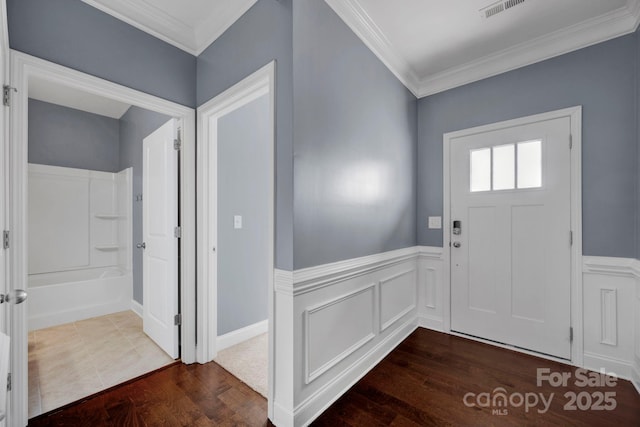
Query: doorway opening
{"x": 236, "y": 219}
{"x": 96, "y": 188}
{"x": 86, "y": 285}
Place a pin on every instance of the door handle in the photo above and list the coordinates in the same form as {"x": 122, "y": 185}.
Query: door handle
{"x": 17, "y": 297}
{"x": 142, "y": 245}
{"x": 456, "y": 244}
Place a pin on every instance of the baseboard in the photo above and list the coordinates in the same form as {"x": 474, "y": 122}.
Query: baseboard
{"x": 636, "y": 377}
{"x": 240, "y": 335}
{"x": 431, "y": 323}
{"x": 621, "y": 368}
{"x": 281, "y": 416}
{"x": 312, "y": 407}
{"x": 136, "y": 307}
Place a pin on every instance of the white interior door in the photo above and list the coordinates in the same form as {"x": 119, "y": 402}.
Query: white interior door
{"x": 511, "y": 261}
{"x": 160, "y": 218}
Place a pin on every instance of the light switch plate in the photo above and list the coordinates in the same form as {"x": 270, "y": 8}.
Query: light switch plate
{"x": 237, "y": 221}
{"x": 435, "y": 222}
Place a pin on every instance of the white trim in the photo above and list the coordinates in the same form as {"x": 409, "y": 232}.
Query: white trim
{"x": 241, "y": 335}
{"x": 592, "y": 31}
{"x": 318, "y": 402}
{"x": 257, "y": 84}
{"x": 312, "y": 278}
{"x": 136, "y": 307}
{"x": 587, "y": 33}
{"x": 312, "y": 375}
{"x": 210, "y": 29}
{"x": 24, "y": 66}
{"x": 575, "y": 114}
{"x": 383, "y": 326}
{"x": 158, "y": 23}
{"x": 621, "y": 368}
{"x": 356, "y": 17}
{"x": 611, "y": 266}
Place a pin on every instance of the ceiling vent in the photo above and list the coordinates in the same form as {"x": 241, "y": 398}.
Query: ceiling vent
{"x": 499, "y": 7}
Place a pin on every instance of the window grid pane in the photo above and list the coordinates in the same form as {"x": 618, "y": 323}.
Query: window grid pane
{"x": 504, "y": 176}
{"x": 530, "y": 164}
{"x": 481, "y": 170}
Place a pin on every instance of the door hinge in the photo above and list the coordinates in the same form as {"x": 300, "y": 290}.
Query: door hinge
{"x": 571, "y": 334}
{"x": 177, "y": 142}
{"x": 177, "y": 232}
{"x": 571, "y": 238}
{"x": 177, "y": 319}
{"x": 570, "y": 141}
{"x": 6, "y": 95}
{"x": 5, "y": 239}
{"x": 9, "y": 381}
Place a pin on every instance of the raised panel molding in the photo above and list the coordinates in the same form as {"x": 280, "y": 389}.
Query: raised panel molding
{"x": 430, "y": 287}
{"x": 366, "y": 293}
{"x": 309, "y": 295}
{"x": 610, "y": 292}
{"x": 609, "y": 316}
{"x": 385, "y": 301}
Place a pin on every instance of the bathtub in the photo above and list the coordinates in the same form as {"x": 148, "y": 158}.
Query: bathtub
{"x": 64, "y": 297}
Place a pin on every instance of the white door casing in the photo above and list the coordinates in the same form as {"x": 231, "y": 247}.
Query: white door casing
{"x": 249, "y": 89}
{"x": 160, "y": 254}
{"x": 5, "y": 319}
{"x": 23, "y": 67}
{"x": 491, "y": 227}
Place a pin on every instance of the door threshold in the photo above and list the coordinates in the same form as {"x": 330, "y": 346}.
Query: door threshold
{"x": 513, "y": 348}
{"x": 106, "y": 390}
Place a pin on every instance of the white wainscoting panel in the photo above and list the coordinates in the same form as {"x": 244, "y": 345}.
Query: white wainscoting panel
{"x": 398, "y": 297}
{"x": 609, "y": 316}
{"x": 329, "y": 338}
{"x": 334, "y": 323}
{"x": 609, "y": 294}
{"x": 431, "y": 288}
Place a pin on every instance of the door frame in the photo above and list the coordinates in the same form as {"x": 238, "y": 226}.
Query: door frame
{"x": 252, "y": 87}
{"x": 575, "y": 116}
{"x": 24, "y": 66}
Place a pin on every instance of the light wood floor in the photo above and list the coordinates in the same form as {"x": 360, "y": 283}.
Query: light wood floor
{"x": 421, "y": 383}
{"x": 75, "y": 360}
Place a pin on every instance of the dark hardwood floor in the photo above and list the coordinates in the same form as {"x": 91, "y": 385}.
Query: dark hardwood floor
{"x": 423, "y": 382}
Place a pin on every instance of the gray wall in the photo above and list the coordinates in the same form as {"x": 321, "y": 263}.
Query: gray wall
{"x": 261, "y": 35}
{"x": 61, "y": 136}
{"x": 355, "y": 124}
{"x": 243, "y": 185}
{"x": 135, "y": 125}
{"x": 602, "y": 79}
{"x": 76, "y": 35}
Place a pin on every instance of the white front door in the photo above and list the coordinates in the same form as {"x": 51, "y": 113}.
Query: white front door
{"x": 510, "y": 234}
{"x": 160, "y": 219}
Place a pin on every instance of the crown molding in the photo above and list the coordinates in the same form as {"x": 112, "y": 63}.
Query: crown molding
{"x": 593, "y": 31}
{"x": 171, "y": 31}
{"x": 616, "y": 23}
{"x": 356, "y": 18}
{"x": 156, "y": 22}
{"x": 210, "y": 29}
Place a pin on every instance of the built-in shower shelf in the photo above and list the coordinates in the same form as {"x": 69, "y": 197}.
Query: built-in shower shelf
{"x": 107, "y": 216}
{"x": 107, "y": 248}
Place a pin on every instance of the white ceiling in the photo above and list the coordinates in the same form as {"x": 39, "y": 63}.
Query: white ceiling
{"x": 430, "y": 45}
{"x": 433, "y": 46}
{"x": 55, "y": 93}
{"x": 191, "y": 25}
